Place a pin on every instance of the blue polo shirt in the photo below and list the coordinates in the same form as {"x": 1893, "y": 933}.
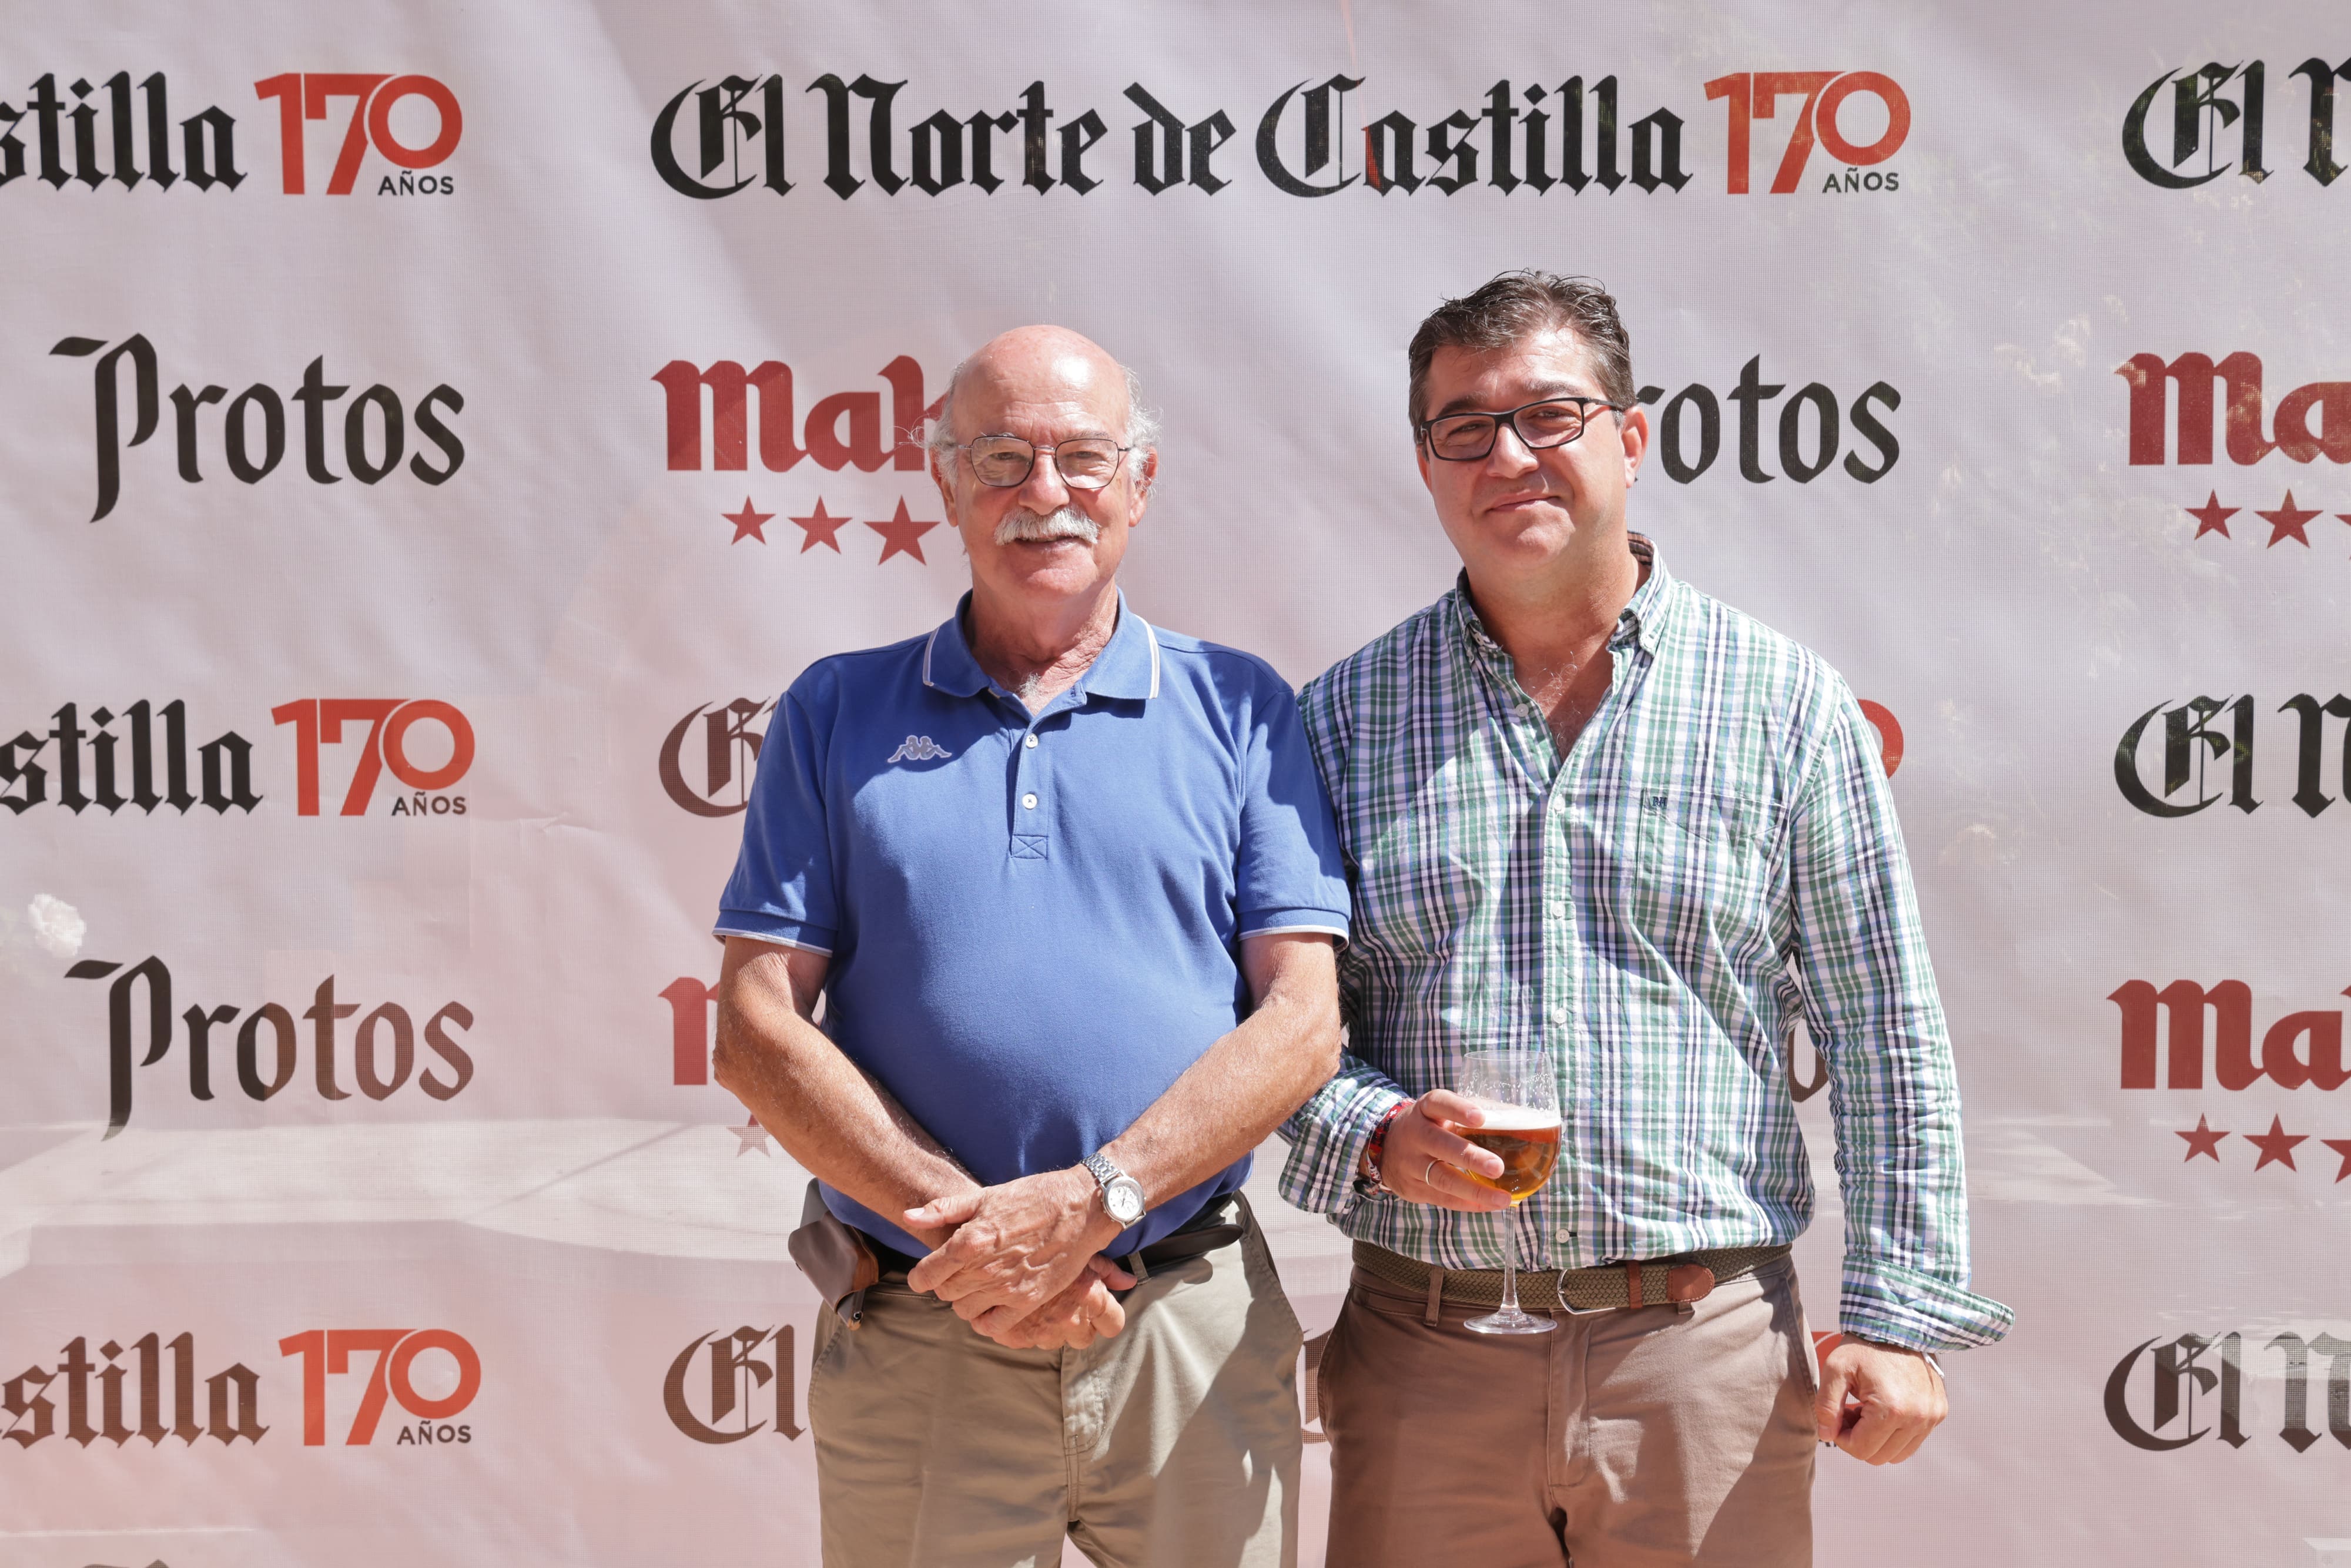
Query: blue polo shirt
{"x": 1034, "y": 920}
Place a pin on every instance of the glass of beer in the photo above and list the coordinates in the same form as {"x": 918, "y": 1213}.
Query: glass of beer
{"x": 1518, "y": 1090}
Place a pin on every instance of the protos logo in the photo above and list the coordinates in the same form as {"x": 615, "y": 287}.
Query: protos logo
{"x": 255, "y": 418}
{"x": 1751, "y": 96}
{"x": 326, "y": 1352}
{"x": 1690, "y": 430}
{"x": 2195, "y": 1366}
{"x": 383, "y": 1047}
{"x": 319, "y": 722}
{"x": 735, "y": 1378}
{"x": 374, "y": 99}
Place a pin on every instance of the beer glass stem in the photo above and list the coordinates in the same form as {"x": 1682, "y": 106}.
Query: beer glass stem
{"x": 1509, "y": 1262}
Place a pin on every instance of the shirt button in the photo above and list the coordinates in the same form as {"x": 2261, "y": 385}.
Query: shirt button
{"x": 1562, "y": 1234}
{"x": 1030, "y": 742}
{"x": 1029, "y": 801}
{"x": 1558, "y": 1015}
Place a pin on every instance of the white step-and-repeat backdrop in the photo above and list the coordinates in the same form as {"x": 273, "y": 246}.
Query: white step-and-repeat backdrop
{"x": 433, "y": 435}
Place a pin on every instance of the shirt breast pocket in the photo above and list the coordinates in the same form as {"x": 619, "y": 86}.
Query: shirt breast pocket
{"x": 1709, "y": 851}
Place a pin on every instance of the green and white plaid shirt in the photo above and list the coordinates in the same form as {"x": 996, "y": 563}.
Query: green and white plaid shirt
{"x": 1716, "y": 857}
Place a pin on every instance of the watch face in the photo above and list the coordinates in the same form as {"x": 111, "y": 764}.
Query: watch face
{"x": 1124, "y": 1200}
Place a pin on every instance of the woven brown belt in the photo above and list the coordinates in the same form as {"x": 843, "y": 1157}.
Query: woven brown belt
{"x": 1658, "y": 1281}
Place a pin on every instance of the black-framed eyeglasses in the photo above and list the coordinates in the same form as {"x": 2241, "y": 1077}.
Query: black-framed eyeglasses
{"x": 1554, "y": 422}
{"x": 1084, "y": 462}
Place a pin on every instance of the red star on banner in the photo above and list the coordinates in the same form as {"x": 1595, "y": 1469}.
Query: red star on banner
{"x": 2212, "y": 518}
{"x": 2287, "y": 521}
{"x": 2203, "y": 1141}
{"x": 901, "y": 535}
{"x": 750, "y": 1135}
{"x": 2340, "y": 1146}
{"x": 746, "y": 523}
{"x": 822, "y": 530}
{"x": 2277, "y": 1145}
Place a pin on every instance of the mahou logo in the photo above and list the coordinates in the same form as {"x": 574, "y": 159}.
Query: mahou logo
{"x": 2157, "y": 1408}
{"x": 692, "y": 1009}
{"x": 843, "y": 431}
{"x": 2301, "y": 1048}
{"x": 250, "y": 430}
{"x": 2167, "y": 1044}
{"x": 707, "y": 756}
{"x": 2197, "y": 750}
{"x": 382, "y": 1048}
{"x": 92, "y": 134}
{"x": 131, "y": 1383}
{"x": 1750, "y": 96}
{"x": 741, "y": 1391}
{"x": 326, "y": 1352}
{"x": 2313, "y": 421}
{"x": 2217, "y": 115}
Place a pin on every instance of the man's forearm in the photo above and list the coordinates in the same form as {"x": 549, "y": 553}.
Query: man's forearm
{"x": 841, "y": 1126}
{"x": 1235, "y": 1095}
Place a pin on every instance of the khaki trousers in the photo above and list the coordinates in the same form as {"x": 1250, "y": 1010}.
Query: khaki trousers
{"x": 1623, "y": 1439}
{"x": 1175, "y": 1443}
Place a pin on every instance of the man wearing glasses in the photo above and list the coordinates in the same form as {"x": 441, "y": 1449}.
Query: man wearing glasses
{"x": 1592, "y": 812}
{"x": 1070, "y": 888}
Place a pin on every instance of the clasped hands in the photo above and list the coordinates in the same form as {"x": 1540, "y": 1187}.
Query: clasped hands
{"x": 1022, "y": 1263}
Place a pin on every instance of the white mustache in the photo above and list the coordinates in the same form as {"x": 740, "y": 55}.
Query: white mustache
{"x": 1068, "y": 523}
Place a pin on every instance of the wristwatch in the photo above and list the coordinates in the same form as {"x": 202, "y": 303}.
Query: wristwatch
{"x": 1122, "y": 1194}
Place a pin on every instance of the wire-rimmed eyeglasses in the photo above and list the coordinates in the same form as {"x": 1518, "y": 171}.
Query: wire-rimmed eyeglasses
{"x": 1553, "y": 422}
{"x": 1084, "y": 462}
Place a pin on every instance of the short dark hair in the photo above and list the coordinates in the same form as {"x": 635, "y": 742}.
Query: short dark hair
{"x": 1514, "y": 307}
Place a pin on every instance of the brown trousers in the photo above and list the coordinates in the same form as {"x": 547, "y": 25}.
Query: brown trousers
{"x": 1173, "y": 1445}
{"x": 1623, "y": 1439}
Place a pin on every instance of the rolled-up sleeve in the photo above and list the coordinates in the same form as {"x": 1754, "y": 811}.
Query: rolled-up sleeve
{"x": 1875, "y": 1016}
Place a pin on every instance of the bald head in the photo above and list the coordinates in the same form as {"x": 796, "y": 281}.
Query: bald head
{"x": 1046, "y": 363}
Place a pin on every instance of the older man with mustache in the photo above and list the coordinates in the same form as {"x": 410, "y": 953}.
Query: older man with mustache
{"x": 1070, "y": 888}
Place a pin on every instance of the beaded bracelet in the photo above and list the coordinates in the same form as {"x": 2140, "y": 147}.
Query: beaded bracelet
{"x": 1375, "y": 1147}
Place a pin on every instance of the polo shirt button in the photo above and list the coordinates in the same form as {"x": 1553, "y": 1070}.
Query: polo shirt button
{"x": 1030, "y": 742}
{"x": 1029, "y": 801}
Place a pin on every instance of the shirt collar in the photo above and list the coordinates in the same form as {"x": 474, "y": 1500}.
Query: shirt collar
{"x": 1642, "y": 620}
{"x": 1127, "y": 667}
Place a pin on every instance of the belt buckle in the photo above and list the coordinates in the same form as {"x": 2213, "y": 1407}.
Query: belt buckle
{"x": 1559, "y": 1291}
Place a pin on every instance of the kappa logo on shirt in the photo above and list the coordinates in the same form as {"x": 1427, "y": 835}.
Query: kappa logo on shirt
{"x": 919, "y": 749}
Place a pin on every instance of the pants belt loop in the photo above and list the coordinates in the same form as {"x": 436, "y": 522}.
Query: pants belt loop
{"x": 1435, "y": 1296}
{"x": 1631, "y": 1281}
{"x": 1137, "y": 1267}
